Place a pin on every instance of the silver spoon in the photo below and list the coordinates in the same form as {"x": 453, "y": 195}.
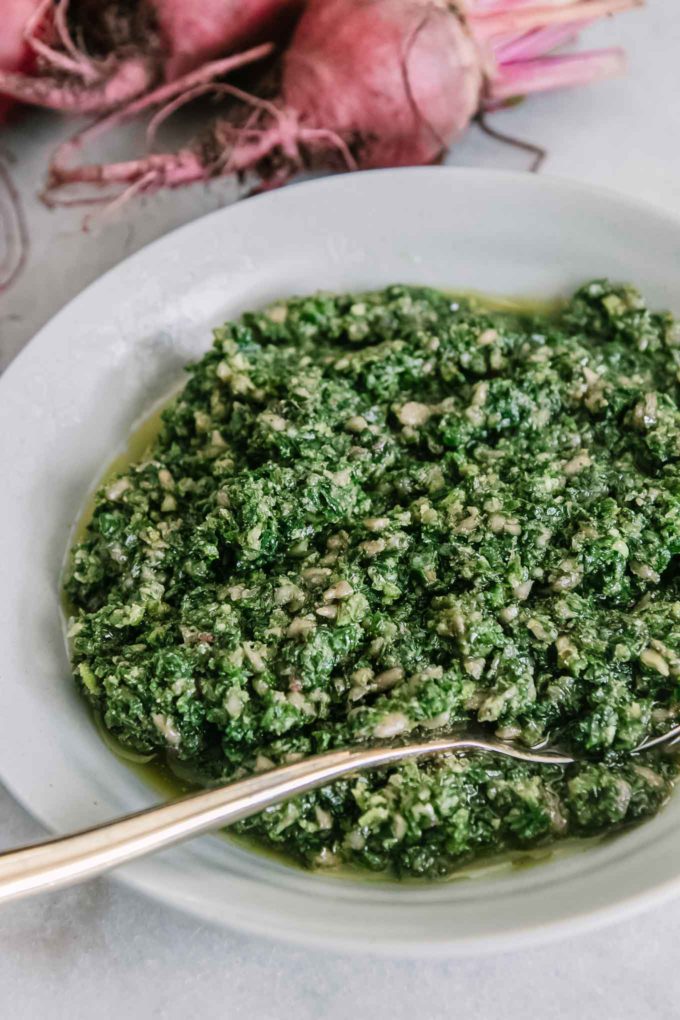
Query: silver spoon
{"x": 69, "y": 859}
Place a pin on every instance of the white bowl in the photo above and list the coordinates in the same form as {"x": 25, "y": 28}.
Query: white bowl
{"x": 68, "y": 402}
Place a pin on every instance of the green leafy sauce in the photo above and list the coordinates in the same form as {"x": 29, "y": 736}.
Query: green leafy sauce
{"x": 383, "y": 514}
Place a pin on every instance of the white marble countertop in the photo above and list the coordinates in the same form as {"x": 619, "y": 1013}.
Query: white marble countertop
{"x": 103, "y": 951}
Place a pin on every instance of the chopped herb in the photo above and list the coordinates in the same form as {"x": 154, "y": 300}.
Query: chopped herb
{"x": 377, "y": 515}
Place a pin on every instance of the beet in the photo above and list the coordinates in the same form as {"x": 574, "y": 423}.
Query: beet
{"x": 196, "y": 32}
{"x": 93, "y": 56}
{"x": 398, "y": 80}
{"x": 15, "y": 53}
{"x": 372, "y": 83}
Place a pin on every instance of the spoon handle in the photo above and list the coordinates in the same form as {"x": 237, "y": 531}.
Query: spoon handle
{"x": 69, "y": 859}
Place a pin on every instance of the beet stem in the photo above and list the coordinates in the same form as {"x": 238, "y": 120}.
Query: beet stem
{"x": 538, "y": 42}
{"x": 487, "y": 25}
{"x": 555, "y": 72}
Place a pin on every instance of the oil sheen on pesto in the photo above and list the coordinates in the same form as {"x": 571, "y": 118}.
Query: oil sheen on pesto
{"x": 382, "y": 514}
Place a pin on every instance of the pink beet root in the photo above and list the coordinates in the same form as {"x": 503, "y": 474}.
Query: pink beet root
{"x": 397, "y": 80}
{"x": 196, "y": 32}
{"x": 15, "y": 53}
{"x": 372, "y": 83}
{"x": 124, "y": 47}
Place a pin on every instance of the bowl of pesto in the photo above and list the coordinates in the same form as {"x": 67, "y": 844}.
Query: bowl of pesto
{"x": 422, "y": 471}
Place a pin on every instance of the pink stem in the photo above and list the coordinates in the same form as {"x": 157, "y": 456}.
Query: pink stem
{"x": 486, "y": 26}
{"x": 483, "y": 7}
{"x": 537, "y": 43}
{"x": 128, "y": 79}
{"x": 554, "y": 72}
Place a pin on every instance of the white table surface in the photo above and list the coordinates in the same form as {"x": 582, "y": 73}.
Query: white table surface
{"x": 102, "y": 951}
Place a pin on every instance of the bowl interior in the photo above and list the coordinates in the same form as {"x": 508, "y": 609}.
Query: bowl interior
{"x": 68, "y": 403}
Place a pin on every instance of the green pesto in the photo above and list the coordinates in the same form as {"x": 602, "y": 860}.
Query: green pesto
{"x": 388, "y": 513}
